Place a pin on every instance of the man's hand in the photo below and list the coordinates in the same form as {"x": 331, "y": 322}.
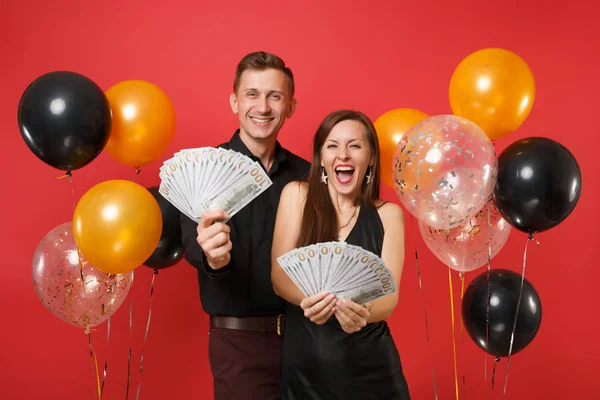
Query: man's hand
{"x": 213, "y": 238}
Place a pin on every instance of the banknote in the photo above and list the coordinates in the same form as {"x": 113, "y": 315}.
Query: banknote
{"x": 345, "y": 270}
{"x": 196, "y": 180}
{"x": 240, "y": 192}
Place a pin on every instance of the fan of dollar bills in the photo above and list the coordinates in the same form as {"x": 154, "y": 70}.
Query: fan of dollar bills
{"x": 208, "y": 178}
{"x": 347, "y": 271}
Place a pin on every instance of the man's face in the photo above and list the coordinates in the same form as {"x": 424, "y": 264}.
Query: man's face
{"x": 262, "y": 102}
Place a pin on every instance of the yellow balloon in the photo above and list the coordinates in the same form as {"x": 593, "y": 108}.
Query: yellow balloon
{"x": 495, "y": 89}
{"x": 117, "y": 225}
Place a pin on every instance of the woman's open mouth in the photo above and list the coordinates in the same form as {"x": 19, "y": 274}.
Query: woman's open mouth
{"x": 344, "y": 173}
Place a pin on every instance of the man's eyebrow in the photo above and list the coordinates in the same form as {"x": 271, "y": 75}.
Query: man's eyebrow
{"x": 270, "y": 91}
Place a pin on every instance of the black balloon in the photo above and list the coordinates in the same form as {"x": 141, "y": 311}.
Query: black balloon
{"x": 538, "y": 185}
{"x": 65, "y": 119}
{"x": 504, "y": 286}
{"x": 169, "y": 250}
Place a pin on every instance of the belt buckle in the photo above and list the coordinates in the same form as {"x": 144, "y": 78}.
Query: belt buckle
{"x": 279, "y": 325}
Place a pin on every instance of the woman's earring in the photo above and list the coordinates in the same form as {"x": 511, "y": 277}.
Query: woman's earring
{"x": 369, "y": 176}
{"x": 323, "y": 175}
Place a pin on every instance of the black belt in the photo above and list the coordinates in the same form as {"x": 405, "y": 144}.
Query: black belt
{"x": 274, "y": 324}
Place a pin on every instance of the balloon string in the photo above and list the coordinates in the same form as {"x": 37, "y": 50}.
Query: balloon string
{"x": 487, "y": 308}
{"x": 130, "y": 339}
{"x": 94, "y": 363}
{"x": 453, "y": 333}
{"x": 106, "y": 360}
{"x": 88, "y": 330}
{"x": 136, "y": 173}
{"x": 112, "y": 291}
{"x": 462, "y": 342}
{"x": 496, "y": 360}
{"x": 424, "y": 308}
{"x": 146, "y": 334}
{"x": 70, "y": 176}
{"x": 512, "y": 335}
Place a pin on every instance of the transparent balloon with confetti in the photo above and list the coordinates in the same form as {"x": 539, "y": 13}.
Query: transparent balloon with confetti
{"x": 70, "y": 287}
{"x": 445, "y": 169}
{"x": 468, "y": 246}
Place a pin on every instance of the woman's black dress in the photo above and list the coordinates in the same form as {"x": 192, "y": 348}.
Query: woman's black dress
{"x": 324, "y": 362}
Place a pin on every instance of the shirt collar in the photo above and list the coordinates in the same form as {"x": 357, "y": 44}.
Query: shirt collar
{"x": 236, "y": 144}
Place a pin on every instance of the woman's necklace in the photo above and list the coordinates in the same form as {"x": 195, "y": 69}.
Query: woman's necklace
{"x": 347, "y": 223}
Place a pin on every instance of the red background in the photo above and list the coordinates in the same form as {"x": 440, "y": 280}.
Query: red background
{"x": 372, "y": 56}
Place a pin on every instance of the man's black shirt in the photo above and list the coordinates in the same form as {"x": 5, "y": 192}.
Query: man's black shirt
{"x": 243, "y": 287}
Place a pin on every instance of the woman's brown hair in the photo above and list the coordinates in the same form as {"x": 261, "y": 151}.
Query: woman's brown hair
{"x": 319, "y": 221}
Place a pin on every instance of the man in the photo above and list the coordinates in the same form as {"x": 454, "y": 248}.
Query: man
{"x": 234, "y": 259}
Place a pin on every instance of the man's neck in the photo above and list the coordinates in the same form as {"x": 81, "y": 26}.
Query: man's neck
{"x": 264, "y": 150}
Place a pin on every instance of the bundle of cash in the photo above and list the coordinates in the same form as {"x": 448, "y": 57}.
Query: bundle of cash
{"x": 347, "y": 271}
{"x": 208, "y": 178}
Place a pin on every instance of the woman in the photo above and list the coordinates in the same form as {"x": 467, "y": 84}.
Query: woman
{"x": 337, "y": 349}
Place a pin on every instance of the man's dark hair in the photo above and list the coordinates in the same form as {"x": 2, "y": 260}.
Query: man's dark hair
{"x": 261, "y": 61}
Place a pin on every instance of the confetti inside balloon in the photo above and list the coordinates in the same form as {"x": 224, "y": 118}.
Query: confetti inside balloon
{"x": 70, "y": 287}
{"x": 445, "y": 169}
{"x": 465, "y": 247}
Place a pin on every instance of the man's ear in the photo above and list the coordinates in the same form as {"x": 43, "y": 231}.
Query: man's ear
{"x": 292, "y": 108}
{"x": 233, "y": 103}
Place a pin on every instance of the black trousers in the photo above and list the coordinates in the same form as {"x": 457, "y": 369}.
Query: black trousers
{"x": 245, "y": 365}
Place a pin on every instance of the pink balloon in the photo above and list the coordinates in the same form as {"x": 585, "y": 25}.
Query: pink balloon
{"x": 465, "y": 247}
{"x": 57, "y": 279}
{"x": 445, "y": 169}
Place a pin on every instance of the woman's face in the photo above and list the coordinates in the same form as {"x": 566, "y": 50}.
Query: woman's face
{"x": 346, "y": 155}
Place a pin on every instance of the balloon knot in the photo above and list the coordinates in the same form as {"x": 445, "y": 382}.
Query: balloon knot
{"x": 137, "y": 171}
{"x": 530, "y": 237}
{"x": 89, "y": 330}
{"x": 66, "y": 175}
{"x": 497, "y": 359}
{"x": 155, "y": 271}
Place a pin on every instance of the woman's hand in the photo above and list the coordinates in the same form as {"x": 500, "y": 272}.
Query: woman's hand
{"x": 351, "y": 316}
{"x": 319, "y": 308}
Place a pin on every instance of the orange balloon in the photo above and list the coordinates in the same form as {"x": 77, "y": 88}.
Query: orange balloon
{"x": 391, "y": 127}
{"x": 495, "y": 89}
{"x": 117, "y": 225}
{"x": 143, "y": 122}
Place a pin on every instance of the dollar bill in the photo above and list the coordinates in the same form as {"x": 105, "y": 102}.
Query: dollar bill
{"x": 362, "y": 295}
{"x": 198, "y": 179}
{"x": 237, "y": 196}
{"x": 291, "y": 265}
{"x": 347, "y": 271}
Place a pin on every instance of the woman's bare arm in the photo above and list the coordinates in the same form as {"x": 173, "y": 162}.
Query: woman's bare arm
{"x": 285, "y": 236}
